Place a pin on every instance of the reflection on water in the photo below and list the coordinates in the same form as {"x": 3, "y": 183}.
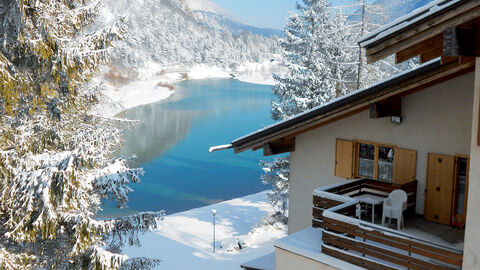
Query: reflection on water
{"x": 172, "y": 145}
{"x": 160, "y": 130}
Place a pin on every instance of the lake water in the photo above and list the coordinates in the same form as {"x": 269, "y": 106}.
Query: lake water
{"x": 172, "y": 146}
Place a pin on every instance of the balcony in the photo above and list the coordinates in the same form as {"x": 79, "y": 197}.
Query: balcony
{"x": 347, "y": 237}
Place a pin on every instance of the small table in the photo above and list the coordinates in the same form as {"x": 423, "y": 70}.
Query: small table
{"x": 372, "y": 200}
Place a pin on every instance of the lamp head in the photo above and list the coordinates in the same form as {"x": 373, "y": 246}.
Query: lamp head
{"x": 214, "y": 212}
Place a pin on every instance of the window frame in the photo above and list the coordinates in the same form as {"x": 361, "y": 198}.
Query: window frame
{"x": 375, "y": 160}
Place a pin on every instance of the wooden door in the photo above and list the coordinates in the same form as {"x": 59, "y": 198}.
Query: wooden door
{"x": 439, "y": 191}
{"x": 344, "y": 159}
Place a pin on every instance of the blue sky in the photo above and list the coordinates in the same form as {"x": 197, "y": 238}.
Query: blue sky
{"x": 261, "y": 13}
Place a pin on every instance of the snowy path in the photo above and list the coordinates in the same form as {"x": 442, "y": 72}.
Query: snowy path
{"x": 184, "y": 240}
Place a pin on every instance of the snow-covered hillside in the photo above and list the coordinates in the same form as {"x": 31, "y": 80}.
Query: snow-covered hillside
{"x": 165, "y": 35}
{"x": 225, "y": 23}
{"x": 208, "y": 6}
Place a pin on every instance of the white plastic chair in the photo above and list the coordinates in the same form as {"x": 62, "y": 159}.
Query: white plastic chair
{"x": 393, "y": 207}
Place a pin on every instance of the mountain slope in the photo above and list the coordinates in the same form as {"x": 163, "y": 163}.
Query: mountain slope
{"x": 206, "y": 5}
{"x": 216, "y": 17}
{"x": 165, "y": 33}
{"x": 222, "y": 23}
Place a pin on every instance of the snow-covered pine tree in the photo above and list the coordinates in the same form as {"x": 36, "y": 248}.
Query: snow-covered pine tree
{"x": 306, "y": 84}
{"x": 324, "y": 61}
{"x": 55, "y": 157}
{"x": 323, "y": 58}
{"x": 276, "y": 175}
{"x": 356, "y": 19}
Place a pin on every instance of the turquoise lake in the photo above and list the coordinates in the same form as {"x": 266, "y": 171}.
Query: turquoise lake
{"x": 172, "y": 142}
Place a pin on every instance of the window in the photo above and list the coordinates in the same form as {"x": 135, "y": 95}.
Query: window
{"x": 384, "y": 162}
{"x": 375, "y": 161}
{"x": 366, "y": 160}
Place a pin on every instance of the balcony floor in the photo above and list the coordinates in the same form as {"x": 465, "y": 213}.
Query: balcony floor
{"x": 438, "y": 233}
{"x": 433, "y": 232}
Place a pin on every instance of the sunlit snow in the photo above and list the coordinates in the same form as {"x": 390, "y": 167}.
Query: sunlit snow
{"x": 184, "y": 240}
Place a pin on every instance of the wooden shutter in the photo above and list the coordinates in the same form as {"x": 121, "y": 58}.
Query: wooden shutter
{"x": 404, "y": 165}
{"x": 440, "y": 177}
{"x": 344, "y": 159}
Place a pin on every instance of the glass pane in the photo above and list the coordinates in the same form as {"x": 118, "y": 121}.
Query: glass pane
{"x": 385, "y": 163}
{"x": 366, "y": 159}
{"x": 462, "y": 177}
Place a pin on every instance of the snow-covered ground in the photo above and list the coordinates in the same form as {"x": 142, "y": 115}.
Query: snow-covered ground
{"x": 148, "y": 88}
{"x": 184, "y": 240}
{"x": 132, "y": 95}
{"x": 259, "y": 73}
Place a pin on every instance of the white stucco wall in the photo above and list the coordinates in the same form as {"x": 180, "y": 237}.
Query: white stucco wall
{"x": 471, "y": 257}
{"x": 437, "y": 119}
{"x": 286, "y": 260}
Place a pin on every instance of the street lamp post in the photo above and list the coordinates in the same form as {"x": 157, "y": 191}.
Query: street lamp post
{"x": 214, "y": 212}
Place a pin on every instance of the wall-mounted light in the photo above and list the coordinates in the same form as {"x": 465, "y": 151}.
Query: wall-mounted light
{"x": 396, "y": 120}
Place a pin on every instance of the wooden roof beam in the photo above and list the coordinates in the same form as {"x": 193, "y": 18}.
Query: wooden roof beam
{"x": 279, "y": 146}
{"x": 432, "y": 44}
{"x": 423, "y": 31}
{"x": 461, "y": 41}
{"x": 386, "y": 108}
{"x": 430, "y": 54}
{"x": 453, "y": 42}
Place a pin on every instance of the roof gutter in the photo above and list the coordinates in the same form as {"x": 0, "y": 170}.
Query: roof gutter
{"x": 220, "y": 147}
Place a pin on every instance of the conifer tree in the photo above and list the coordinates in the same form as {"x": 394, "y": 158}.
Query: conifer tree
{"x": 306, "y": 83}
{"x": 276, "y": 174}
{"x": 322, "y": 55}
{"x": 324, "y": 62}
{"x": 56, "y": 160}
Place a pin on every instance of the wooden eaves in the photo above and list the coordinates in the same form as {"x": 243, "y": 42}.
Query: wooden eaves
{"x": 429, "y": 32}
{"x": 280, "y": 137}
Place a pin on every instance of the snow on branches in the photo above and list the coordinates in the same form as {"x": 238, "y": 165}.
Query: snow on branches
{"x": 56, "y": 159}
{"x": 322, "y": 55}
{"x": 168, "y": 34}
{"x": 324, "y": 62}
{"x": 276, "y": 174}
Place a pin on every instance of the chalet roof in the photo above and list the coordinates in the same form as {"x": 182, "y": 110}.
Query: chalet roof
{"x": 409, "y": 20}
{"x": 440, "y": 28}
{"x": 403, "y": 83}
{"x": 335, "y": 103}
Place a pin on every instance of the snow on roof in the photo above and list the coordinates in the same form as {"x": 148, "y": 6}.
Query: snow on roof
{"x": 407, "y": 20}
{"x": 308, "y": 243}
{"x": 266, "y": 262}
{"x": 219, "y": 147}
{"x": 339, "y": 99}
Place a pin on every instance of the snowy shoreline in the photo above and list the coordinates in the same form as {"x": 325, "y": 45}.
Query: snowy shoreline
{"x": 184, "y": 240}
{"x": 151, "y": 88}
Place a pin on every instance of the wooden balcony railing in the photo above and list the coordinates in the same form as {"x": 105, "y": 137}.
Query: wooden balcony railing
{"x": 359, "y": 187}
{"x": 369, "y": 245}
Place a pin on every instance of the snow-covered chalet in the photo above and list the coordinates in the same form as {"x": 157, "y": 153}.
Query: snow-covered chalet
{"x": 417, "y": 131}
